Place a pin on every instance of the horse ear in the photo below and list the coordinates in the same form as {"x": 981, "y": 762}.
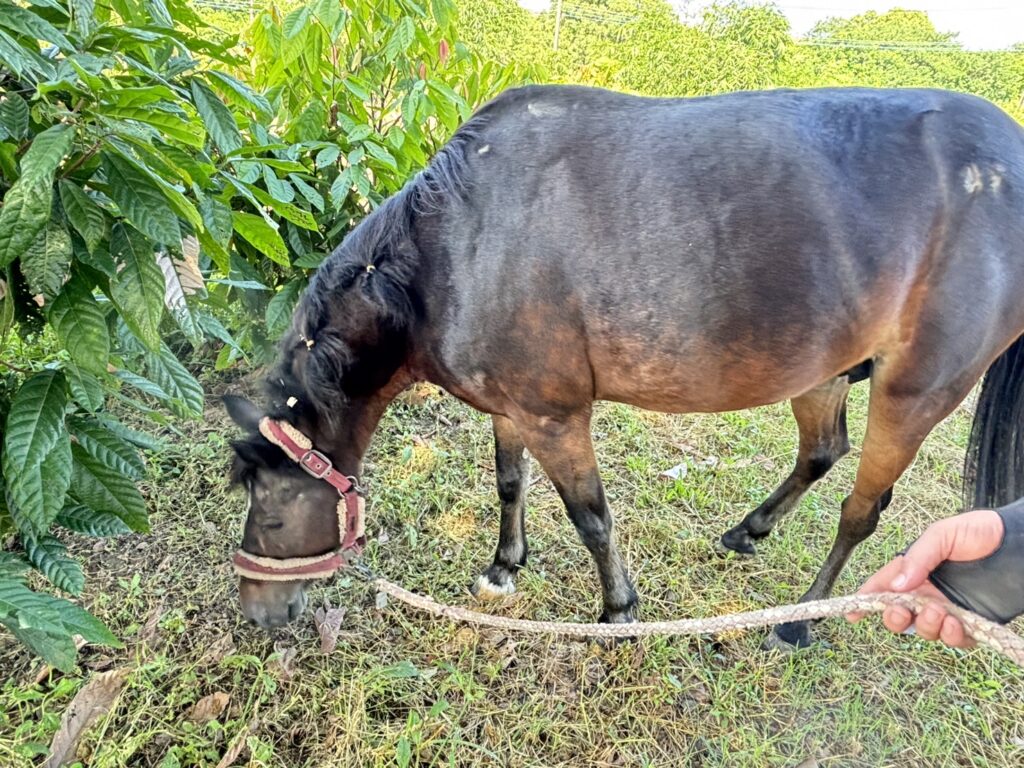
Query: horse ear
{"x": 243, "y": 412}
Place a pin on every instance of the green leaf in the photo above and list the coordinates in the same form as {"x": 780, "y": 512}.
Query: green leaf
{"x": 220, "y": 123}
{"x": 401, "y": 37}
{"x": 86, "y": 389}
{"x": 359, "y": 133}
{"x": 261, "y": 236}
{"x": 186, "y": 393}
{"x": 107, "y": 448}
{"x": 27, "y": 608}
{"x": 14, "y": 116}
{"x": 89, "y": 522}
{"x": 240, "y": 94}
{"x": 50, "y": 557}
{"x": 27, "y": 208}
{"x": 279, "y": 189}
{"x": 138, "y": 288}
{"x": 78, "y": 621}
{"x": 381, "y": 154}
{"x": 295, "y": 22}
{"x": 327, "y": 156}
{"x": 216, "y": 219}
{"x": 81, "y": 326}
{"x": 46, "y": 152}
{"x": 172, "y": 126}
{"x": 46, "y": 263}
{"x": 32, "y": 26}
{"x": 281, "y": 307}
{"x": 56, "y": 649}
{"x": 82, "y": 15}
{"x": 143, "y": 384}
{"x": 85, "y": 216}
{"x": 103, "y": 489}
{"x": 140, "y": 199}
{"x": 36, "y": 455}
{"x": 292, "y": 213}
{"x": 310, "y": 123}
{"x": 313, "y": 197}
{"x": 135, "y": 437}
{"x": 12, "y": 567}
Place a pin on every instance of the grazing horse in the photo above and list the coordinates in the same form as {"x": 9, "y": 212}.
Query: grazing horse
{"x": 571, "y": 244}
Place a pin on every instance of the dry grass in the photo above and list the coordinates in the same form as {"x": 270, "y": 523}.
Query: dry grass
{"x": 402, "y": 689}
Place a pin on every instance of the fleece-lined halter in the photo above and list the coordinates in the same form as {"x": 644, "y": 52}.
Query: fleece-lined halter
{"x": 351, "y": 534}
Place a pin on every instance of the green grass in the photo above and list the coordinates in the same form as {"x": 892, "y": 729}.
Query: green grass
{"x": 404, "y": 689}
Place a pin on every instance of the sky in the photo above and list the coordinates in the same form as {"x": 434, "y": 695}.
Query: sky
{"x": 982, "y": 24}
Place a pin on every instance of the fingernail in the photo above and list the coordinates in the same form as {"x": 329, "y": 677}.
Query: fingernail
{"x": 900, "y": 581}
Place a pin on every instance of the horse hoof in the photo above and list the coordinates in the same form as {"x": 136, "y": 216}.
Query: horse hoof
{"x": 738, "y": 541}
{"x": 486, "y": 590}
{"x": 789, "y": 637}
{"x": 627, "y": 616}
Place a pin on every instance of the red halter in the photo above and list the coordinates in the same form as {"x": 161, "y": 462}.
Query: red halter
{"x": 351, "y": 534}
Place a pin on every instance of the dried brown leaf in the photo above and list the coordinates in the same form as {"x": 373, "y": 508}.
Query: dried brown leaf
{"x": 328, "y": 623}
{"x": 91, "y": 702}
{"x": 209, "y": 707}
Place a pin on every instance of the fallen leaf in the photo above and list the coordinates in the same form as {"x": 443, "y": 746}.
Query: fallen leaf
{"x": 284, "y": 663}
{"x": 149, "y": 630}
{"x": 92, "y": 701}
{"x": 810, "y": 762}
{"x": 218, "y": 649}
{"x": 209, "y": 707}
{"x": 238, "y": 744}
{"x": 328, "y": 624}
{"x": 380, "y": 601}
{"x": 3, "y": 289}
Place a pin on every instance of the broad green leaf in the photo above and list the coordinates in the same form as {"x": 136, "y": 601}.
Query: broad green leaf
{"x": 216, "y": 219}
{"x": 327, "y": 156}
{"x": 86, "y": 389}
{"x": 143, "y": 384}
{"x": 103, "y": 489}
{"x": 220, "y": 123}
{"x": 90, "y": 522}
{"x": 27, "y": 208}
{"x": 137, "y": 96}
{"x": 31, "y": 25}
{"x": 279, "y": 189}
{"x": 56, "y": 649}
{"x": 141, "y": 200}
{"x": 313, "y": 197}
{"x": 46, "y": 152}
{"x": 81, "y": 326}
{"x": 292, "y": 213}
{"x": 359, "y": 133}
{"x": 261, "y": 236}
{"x": 310, "y": 124}
{"x": 381, "y": 154}
{"x": 12, "y": 567}
{"x": 107, "y": 448}
{"x": 401, "y": 37}
{"x": 138, "y": 288}
{"x": 186, "y": 393}
{"x": 281, "y": 307}
{"x": 46, "y": 263}
{"x": 82, "y": 15}
{"x": 188, "y": 132}
{"x": 37, "y": 452}
{"x": 78, "y": 621}
{"x": 50, "y": 557}
{"x": 240, "y": 94}
{"x": 14, "y": 115}
{"x": 27, "y": 608}
{"x": 295, "y": 22}
{"x": 85, "y": 216}
{"x": 135, "y": 437}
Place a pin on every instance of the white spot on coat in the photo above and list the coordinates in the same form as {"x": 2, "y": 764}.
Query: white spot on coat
{"x": 484, "y": 149}
{"x": 973, "y": 180}
{"x": 538, "y": 109}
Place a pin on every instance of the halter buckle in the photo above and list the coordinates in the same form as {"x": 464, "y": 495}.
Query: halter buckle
{"x": 316, "y": 464}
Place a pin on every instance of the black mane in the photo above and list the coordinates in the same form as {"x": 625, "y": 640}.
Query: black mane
{"x": 378, "y": 258}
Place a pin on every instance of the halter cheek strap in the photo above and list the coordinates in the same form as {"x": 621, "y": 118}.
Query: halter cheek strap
{"x": 351, "y": 532}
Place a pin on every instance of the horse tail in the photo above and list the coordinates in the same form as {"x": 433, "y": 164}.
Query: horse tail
{"x": 994, "y": 466}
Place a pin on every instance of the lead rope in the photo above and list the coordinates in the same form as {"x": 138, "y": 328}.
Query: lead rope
{"x": 999, "y": 638}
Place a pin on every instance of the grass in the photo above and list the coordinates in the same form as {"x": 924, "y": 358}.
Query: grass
{"x": 402, "y": 689}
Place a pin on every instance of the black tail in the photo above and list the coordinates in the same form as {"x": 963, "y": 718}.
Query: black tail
{"x": 994, "y": 467}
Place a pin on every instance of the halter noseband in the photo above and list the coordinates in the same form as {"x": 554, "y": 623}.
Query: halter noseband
{"x": 351, "y": 534}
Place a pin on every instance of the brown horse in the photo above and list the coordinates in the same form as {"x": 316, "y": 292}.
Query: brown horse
{"x": 681, "y": 255}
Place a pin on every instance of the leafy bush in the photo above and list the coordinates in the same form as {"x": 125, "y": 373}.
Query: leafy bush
{"x": 164, "y": 198}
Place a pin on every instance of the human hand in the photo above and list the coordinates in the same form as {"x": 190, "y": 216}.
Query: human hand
{"x": 970, "y": 536}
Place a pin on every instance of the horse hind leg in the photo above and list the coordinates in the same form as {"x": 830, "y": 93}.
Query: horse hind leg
{"x": 512, "y": 471}
{"x": 900, "y": 415}
{"x": 821, "y": 418}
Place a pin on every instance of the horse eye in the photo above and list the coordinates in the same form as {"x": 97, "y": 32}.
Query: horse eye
{"x": 272, "y": 526}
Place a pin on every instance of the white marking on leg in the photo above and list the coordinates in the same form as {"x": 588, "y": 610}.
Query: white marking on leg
{"x": 485, "y": 589}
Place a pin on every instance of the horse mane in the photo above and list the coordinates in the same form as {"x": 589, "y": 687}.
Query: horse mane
{"x": 378, "y": 258}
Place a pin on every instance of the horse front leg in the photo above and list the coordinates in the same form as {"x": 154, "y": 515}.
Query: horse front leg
{"x": 564, "y": 449}
{"x": 512, "y": 472}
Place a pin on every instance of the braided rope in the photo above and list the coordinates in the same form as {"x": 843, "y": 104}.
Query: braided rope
{"x": 999, "y": 638}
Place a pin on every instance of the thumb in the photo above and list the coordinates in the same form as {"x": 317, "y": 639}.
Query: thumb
{"x": 923, "y": 557}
